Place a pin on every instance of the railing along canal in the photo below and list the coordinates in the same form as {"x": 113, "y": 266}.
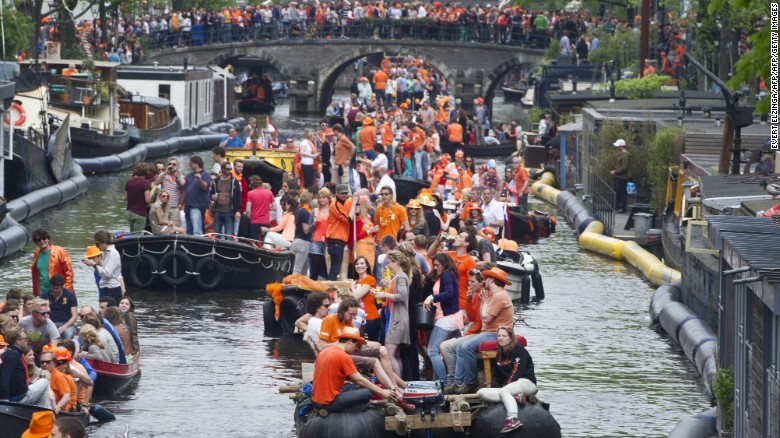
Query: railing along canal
{"x": 603, "y": 197}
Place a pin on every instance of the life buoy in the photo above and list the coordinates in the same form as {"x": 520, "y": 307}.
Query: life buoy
{"x": 270, "y": 323}
{"x": 142, "y": 271}
{"x": 22, "y": 114}
{"x": 209, "y": 273}
{"x": 175, "y": 268}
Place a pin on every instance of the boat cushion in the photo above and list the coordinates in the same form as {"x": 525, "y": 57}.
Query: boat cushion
{"x": 493, "y": 345}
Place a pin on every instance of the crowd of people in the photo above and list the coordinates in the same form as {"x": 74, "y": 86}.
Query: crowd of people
{"x": 46, "y": 337}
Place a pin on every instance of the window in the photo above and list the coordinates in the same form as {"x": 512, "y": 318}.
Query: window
{"x": 164, "y": 91}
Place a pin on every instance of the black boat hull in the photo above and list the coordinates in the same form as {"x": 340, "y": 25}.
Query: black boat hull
{"x": 137, "y": 135}
{"x": 529, "y": 228}
{"x": 265, "y": 170}
{"x": 89, "y": 143}
{"x": 255, "y": 106}
{"x": 513, "y": 94}
{"x": 407, "y": 188}
{"x": 199, "y": 263}
{"x": 482, "y": 151}
{"x": 15, "y": 418}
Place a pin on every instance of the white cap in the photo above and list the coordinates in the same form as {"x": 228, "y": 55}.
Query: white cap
{"x": 619, "y": 142}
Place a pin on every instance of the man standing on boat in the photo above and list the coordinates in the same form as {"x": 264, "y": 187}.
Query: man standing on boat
{"x": 49, "y": 260}
{"x": 196, "y": 196}
{"x": 343, "y": 150}
{"x": 172, "y": 182}
{"x": 138, "y": 194}
{"x": 482, "y": 118}
{"x": 259, "y": 203}
{"x": 492, "y": 211}
{"x": 226, "y": 198}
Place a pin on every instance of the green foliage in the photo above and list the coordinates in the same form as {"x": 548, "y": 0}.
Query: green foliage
{"x": 638, "y": 138}
{"x": 665, "y": 150}
{"x": 536, "y": 113}
{"x": 638, "y": 88}
{"x": 622, "y": 48}
{"x": 18, "y": 28}
{"x": 553, "y": 51}
{"x": 723, "y": 389}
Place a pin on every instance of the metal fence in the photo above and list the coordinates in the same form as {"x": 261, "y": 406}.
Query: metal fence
{"x": 511, "y": 35}
{"x": 603, "y": 198}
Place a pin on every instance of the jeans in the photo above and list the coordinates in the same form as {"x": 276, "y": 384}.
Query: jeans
{"x": 276, "y": 239}
{"x": 300, "y": 248}
{"x": 223, "y": 224}
{"x": 370, "y": 154}
{"x": 506, "y": 395}
{"x": 350, "y": 395}
{"x": 336, "y": 251}
{"x": 621, "y": 196}
{"x": 522, "y": 202}
{"x": 193, "y": 216}
{"x": 449, "y": 350}
{"x": 254, "y": 230}
{"x": 37, "y": 394}
{"x": 439, "y": 335}
{"x": 69, "y": 332}
{"x": 466, "y": 362}
{"x": 308, "y": 175}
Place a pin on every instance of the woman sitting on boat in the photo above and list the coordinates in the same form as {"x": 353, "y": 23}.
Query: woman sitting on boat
{"x": 286, "y": 225}
{"x": 513, "y": 372}
{"x": 34, "y": 373}
{"x": 93, "y": 347}
{"x": 474, "y": 216}
{"x": 114, "y": 316}
{"x": 104, "y": 335}
{"x": 57, "y": 363}
{"x": 417, "y": 218}
{"x": 158, "y": 217}
{"x": 127, "y": 307}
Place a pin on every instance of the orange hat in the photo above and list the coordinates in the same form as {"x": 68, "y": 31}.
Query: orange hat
{"x": 488, "y": 233}
{"x": 41, "y": 425}
{"x": 63, "y": 354}
{"x": 496, "y": 273}
{"x": 352, "y": 335}
{"x": 472, "y": 206}
{"x": 404, "y": 105}
{"x": 329, "y": 133}
{"x": 93, "y": 251}
{"x": 368, "y": 121}
{"x": 49, "y": 347}
{"x": 425, "y": 198}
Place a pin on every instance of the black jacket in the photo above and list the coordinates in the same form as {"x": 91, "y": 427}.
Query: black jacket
{"x": 518, "y": 366}
{"x": 13, "y": 380}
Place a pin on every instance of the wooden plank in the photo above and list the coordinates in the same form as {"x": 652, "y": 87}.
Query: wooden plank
{"x": 412, "y": 422}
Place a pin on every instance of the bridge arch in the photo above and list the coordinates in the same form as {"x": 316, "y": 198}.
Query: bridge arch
{"x": 327, "y": 77}
{"x": 493, "y": 78}
{"x": 224, "y": 58}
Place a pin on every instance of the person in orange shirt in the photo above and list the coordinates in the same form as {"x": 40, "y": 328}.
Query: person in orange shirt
{"x": 367, "y": 138}
{"x": 522, "y": 182}
{"x": 337, "y": 234}
{"x": 390, "y": 216}
{"x": 380, "y": 85}
{"x": 365, "y": 282}
{"x": 71, "y": 70}
{"x": 464, "y": 262}
{"x": 465, "y": 178}
{"x": 455, "y": 132}
{"x": 64, "y": 387}
{"x": 333, "y": 366}
{"x": 343, "y": 150}
{"x": 386, "y": 131}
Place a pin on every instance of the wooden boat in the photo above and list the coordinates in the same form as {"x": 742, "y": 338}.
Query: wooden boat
{"x": 114, "y": 377}
{"x": 407, "y": 188}
{"x": 253, "y": 105}
{"x": 15, "y": 417}
{"x": 94, "y": 123}
{"x": 484, "y": 151}
{"x": 149, "y": 118}
{"x": 514, "y": 92}
{"x": 199, "y": 263}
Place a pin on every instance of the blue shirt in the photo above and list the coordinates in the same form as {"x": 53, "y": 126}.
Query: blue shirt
{"x": 60, "y": 308}
{"x": 195, "y": 195}
{"x": 302, "y": 217}
{"x": 234, "y": 142}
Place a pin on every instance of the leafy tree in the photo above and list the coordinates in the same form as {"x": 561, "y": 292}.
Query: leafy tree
{"x": 17, "y": 30}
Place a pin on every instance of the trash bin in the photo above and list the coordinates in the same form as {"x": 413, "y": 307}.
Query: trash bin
{"x": 642, "y": 223}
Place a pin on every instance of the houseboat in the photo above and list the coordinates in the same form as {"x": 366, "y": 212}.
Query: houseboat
{"x": 148, "y": 118}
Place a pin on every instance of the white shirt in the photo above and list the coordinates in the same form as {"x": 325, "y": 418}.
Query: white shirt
{"x": 305, "y": 147}
{"x": 386, "y": 181}
{"x": 111, "y": 270}
{"x": 379, "y": 161}
{"x": 313, "y": 329}
{"x": 494, "y": 211}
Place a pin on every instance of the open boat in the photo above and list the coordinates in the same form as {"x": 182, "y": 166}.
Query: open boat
{"x": 254, "y": 105}
{"x": 522, "y": 271}
{"x": 480, "y": 150}
{"x": 514, "y": 92}
{"x": 114, "y": 377}
{"x": 15, "y": 417}
{"x": 199, "y": 262}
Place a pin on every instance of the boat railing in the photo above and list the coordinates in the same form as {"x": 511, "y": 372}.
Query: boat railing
{"x": 75, "y": 91}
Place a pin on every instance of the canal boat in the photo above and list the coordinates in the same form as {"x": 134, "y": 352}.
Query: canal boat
{"x": 148, "y": 119}
{"x": 15, "y": 417}
{"x": 281, "y": 158}
{"x": 480, "y": 150}
{"x": 88, "y": 98}
{"x": 514, "y": 92}
{"x": 113, "y": 378}
{"x": 527, "y": 228}
{"x": 199, "y": 262}
{"x": 522, "y": 271}
{"x": 254, "y": 105}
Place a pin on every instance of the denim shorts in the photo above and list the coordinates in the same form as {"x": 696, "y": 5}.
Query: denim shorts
{"x": 317, "y": 248}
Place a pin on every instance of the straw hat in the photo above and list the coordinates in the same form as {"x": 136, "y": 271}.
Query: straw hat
{"x": 41, "y": 424}
{"x": 352, "y": 335}
{"x": 93, "y": 251}
{"x": 413, "y": 203}
{"x": 425, "y": 198}
{"x": 496, "y": 273}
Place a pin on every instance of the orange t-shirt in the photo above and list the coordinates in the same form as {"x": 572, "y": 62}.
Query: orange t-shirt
{"x": 380, "y": 80}
{"x": 500, "y": 306}
{"x": 473, "y": 313}
{"x": 62, "y": 384}
{"x": 338, "y": 220}
{"x": 455, "y": 132}
{"x": 331, "y": 328}
{"x": 387, "y": 134}
{"x": 368, "y": 300}
{"x": 331, "y": 369}
{"x": 463, "y": 264}
{"x": 389, "y": 220}
{"x": 367, "y": 138}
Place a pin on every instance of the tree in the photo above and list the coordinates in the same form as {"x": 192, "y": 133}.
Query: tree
{"x": 17, "y": 30}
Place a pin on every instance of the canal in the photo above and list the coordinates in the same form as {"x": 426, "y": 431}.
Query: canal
{"x": 209, "y": 370}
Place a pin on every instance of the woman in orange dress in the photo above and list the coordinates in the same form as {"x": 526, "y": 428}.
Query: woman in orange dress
{"x": 365, "y": 230}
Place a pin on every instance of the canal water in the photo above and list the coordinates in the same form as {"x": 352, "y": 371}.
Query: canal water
{"x": 209, "y": 370}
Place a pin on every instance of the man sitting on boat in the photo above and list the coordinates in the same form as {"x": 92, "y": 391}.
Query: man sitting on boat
{"x": 232, "y": 140}
{"x": 13, "y": 373}
{"x": 333, "y": 366}
{"x": 39, "y": 328}
{"x": 71, "y": 70}
{"x": 63, "y": 306}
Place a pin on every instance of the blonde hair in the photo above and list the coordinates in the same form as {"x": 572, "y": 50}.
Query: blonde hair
{"x": 90, "y": 336}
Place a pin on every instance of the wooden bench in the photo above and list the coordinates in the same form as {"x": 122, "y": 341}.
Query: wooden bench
{"x": 488, "y": 351}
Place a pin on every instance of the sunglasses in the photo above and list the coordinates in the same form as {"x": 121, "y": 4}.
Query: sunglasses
{"x": 386, "y": 194}
{"x": 16, "y": 317}
{"x": 39, "y": 240}
{"x": 46, "y": 362}
{"x": 43, "y": 313}
{"x": 164, "y": 196}
{"x": 326, "y": 305}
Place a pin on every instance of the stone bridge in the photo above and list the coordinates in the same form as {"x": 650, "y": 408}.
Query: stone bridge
{"x": 312, "y": 66}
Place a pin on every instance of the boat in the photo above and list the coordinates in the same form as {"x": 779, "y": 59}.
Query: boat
{"x": 407, "y": 188}
{"x": 526, "y": 228}
{"x": 254, "y": 105}
{"x": 514, "y": 92}
{"x": 522, "y": 271}
{"x": 199, "y": 262}
{"x": 112, "y": 378}
{"x": 280, "y": 89}
{"x": 41, "y": 148}
{"x": 149, "y": 119}
{"x": 483, "y": 151}
{"x": 87, "y": 97}
{"x": 528, "y": 99}
{"x": 281, "y": 158}
{"x": 15, "y": 417}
